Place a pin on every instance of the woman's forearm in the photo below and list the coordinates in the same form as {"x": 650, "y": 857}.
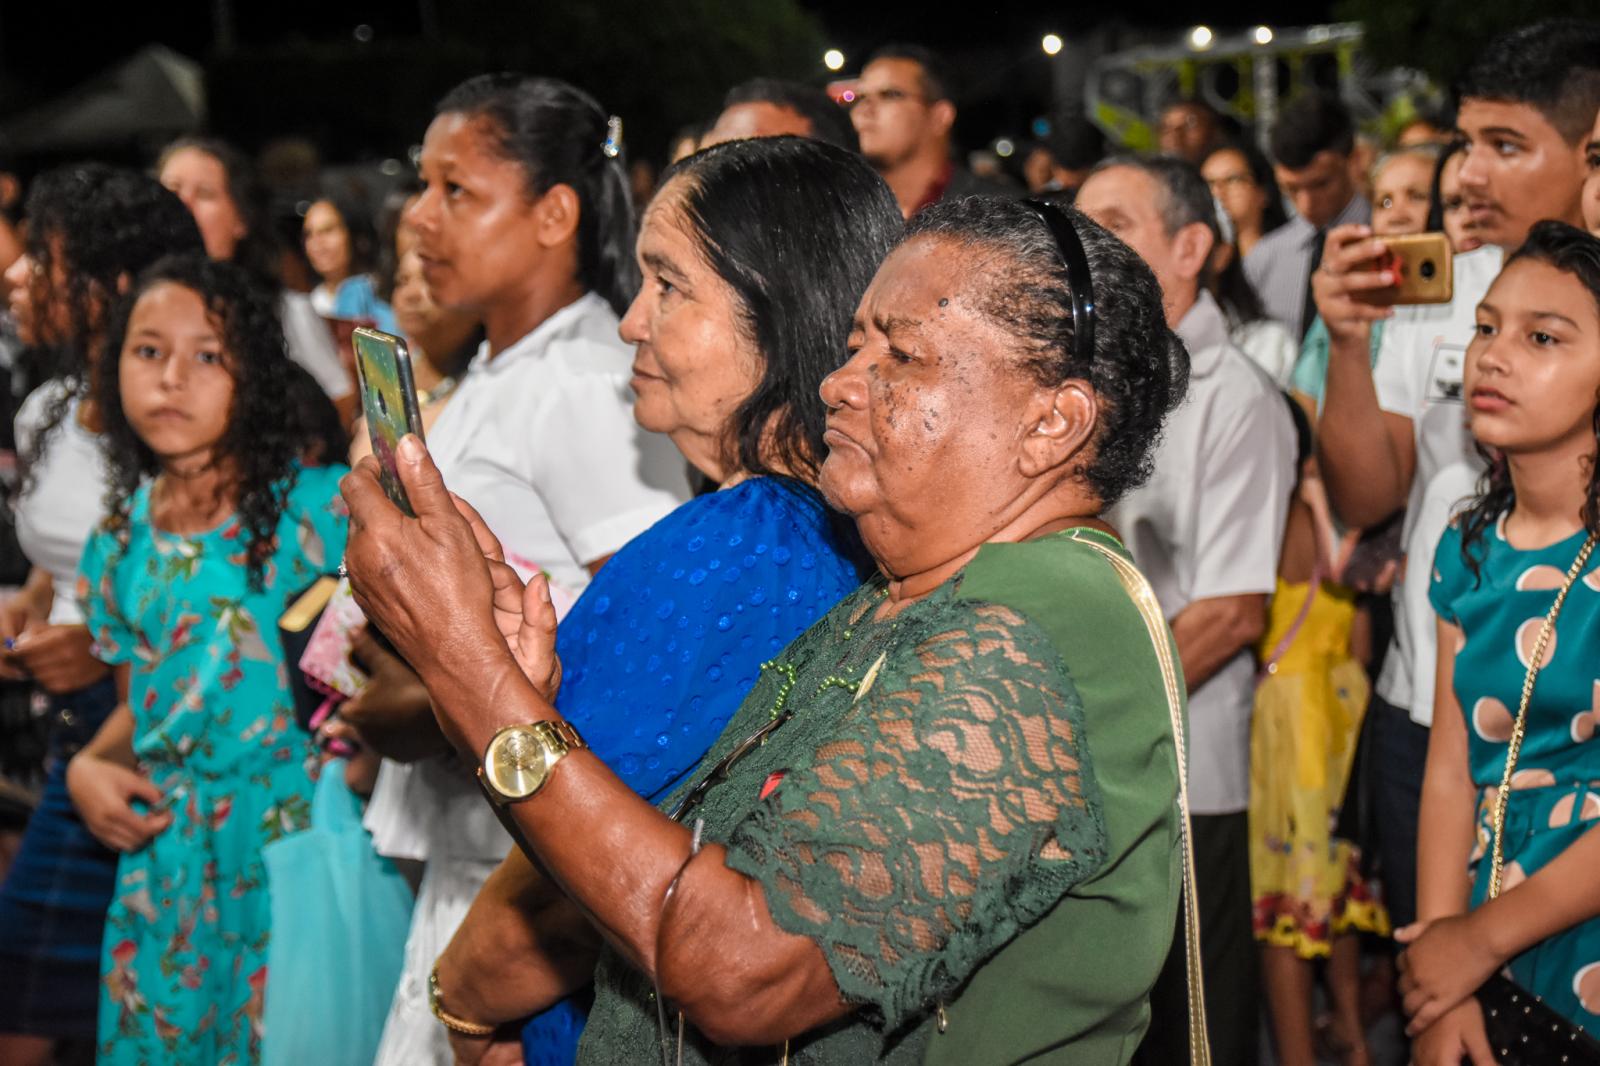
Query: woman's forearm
{"x": 618, "y": 869}
{"x": 114, "y": 740}
{"x": 1446, "y": 825}
{"x": 767, "y": 984}
{"x": 39, "y": 592}
{"x": 522, "y": 947}
{"x": 1562, "y": 894}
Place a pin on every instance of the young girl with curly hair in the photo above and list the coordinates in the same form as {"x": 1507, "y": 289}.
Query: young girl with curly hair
{"x": 215, "y": 518}
{"x": 91, "y": 230}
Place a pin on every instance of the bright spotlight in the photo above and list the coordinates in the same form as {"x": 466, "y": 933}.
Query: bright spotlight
{"x": 1051, "y": 44}
{"x": 833, "y": 59}
{"x": 1004, "y": 147}
{"x": 1263, "y": 34}
{"x": 1200, "y": 37}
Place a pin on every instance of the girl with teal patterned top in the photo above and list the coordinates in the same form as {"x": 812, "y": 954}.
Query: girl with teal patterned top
{"x": 1533, "y": 391}
{"x": 216, "y": 517}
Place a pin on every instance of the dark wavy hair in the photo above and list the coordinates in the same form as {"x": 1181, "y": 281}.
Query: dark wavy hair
{"x": 278, "y": 416}
{"x": 797, "y": 228}
{"x": 257, "y": 251}
{"x": 556, "y": 133}
{"x": 1571, "y": 251}
{"x": 1139, "y": 368}
{"x": 360, "y": 230}
{"x": 97, "y": 227}
{"x": 1262, "y": 174}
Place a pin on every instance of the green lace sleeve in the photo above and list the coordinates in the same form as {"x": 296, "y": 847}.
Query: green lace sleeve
{"x": 954, "y": 806}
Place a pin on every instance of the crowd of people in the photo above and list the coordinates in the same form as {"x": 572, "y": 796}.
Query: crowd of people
{"x": 845, "y": 609}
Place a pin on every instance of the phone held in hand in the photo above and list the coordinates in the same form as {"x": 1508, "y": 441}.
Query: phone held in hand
{"x": 389, "y": 400}
{"x": 1424, "y": 264}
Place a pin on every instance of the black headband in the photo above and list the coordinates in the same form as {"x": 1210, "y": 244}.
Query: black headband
{"x": 1079, "y": 282}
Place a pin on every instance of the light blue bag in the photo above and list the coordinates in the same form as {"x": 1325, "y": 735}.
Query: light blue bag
{"x": 340, "y": 914}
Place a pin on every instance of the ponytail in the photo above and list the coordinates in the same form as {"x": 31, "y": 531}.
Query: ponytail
{"x": 560, "y": 135}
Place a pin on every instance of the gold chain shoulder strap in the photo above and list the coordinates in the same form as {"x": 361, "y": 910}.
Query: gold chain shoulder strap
{"x": 1535, "y": 664}
{"x": 1155, "y": 622}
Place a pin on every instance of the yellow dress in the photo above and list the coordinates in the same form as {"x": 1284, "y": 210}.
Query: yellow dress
{"x": 1306, "y": 884}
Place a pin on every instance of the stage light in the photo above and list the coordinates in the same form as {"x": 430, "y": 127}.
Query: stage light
{"x": 1004, "y": 147}
{"x": 833, "y": 59}
{"x": 1051, "y": 44}
{"x": 1200, "y": 38}
{"x": 1263, "y": 35}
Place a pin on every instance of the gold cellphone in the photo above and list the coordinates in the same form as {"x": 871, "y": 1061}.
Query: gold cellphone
{"x": 1425, "y": 265}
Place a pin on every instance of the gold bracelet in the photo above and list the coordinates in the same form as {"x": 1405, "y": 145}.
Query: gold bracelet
{"x": 448, "y": 1020}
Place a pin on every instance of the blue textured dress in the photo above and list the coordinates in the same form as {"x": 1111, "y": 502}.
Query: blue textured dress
{"x": 669, "y": 637}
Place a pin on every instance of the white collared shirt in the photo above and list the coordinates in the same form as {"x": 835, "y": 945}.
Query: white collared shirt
{"x": 1418, "y": 374}
{"x": 1208, "y": 524}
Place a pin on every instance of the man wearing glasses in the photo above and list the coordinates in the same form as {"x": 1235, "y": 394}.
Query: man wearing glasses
{"x": 903, "y": 114}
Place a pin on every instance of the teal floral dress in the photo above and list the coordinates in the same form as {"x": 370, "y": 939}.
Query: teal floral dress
{"x": 183, "y": 965}
{"x": 1555, "y": 796}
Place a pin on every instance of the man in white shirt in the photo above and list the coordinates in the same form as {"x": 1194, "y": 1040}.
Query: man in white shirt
{"x": 1391, "y": 431}
{"x": 1207, "y": 530}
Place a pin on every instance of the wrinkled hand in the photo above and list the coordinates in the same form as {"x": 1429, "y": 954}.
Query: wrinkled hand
{"x": 423, "y": 581}
{"x": 104, "y": 791}
{"x": 59, "y": 658}
{"x": 392, "y": 712}
{"x": 1458, "y": 1036}
{"x": 1347, "y": 272}
{"x": 1444, "y": 963}
{"x": 523, "y": 613}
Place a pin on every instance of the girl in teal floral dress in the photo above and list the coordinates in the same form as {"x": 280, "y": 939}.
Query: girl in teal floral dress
{"x": 218, "y": 517}
{"x": 1532, "y": 388}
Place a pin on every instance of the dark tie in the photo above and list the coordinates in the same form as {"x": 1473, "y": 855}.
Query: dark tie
{"x": 1308, "y": 309}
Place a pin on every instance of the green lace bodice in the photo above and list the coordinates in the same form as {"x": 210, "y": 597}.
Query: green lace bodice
{"x": 937, "y": 798}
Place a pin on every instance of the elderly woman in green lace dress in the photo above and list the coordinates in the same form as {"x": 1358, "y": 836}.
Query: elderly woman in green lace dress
{"x": 944, "y": 825}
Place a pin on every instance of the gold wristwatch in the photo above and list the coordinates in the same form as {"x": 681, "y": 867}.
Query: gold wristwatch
{"x": 520, "y": 759}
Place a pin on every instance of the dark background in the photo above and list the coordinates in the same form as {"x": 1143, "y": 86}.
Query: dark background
{"x": 295, "y": 68}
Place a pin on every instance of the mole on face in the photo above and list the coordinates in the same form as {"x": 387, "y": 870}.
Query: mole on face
{"x": 944, "y": 301}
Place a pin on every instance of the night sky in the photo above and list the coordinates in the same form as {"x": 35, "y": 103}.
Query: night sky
{"x": 1001, "y": 76}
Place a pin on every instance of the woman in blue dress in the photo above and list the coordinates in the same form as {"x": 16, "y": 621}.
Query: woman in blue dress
{"x": 1532, "y": 382}
{"x": 754, "y": 255}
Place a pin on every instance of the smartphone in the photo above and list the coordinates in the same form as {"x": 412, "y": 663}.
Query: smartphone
{"x": 389, "y": 398}
{"x": 1425, "y": 266}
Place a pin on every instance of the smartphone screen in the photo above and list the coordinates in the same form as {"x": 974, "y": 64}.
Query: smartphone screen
{"x": 389, "y": 399}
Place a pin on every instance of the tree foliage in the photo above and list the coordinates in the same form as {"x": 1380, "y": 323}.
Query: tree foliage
{"x": 1440, "y": 37}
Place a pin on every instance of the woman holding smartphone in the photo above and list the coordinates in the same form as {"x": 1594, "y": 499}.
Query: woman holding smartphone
{"x": 524, "y": 222}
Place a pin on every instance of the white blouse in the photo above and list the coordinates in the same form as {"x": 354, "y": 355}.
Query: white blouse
{"x": 65, "y": 498}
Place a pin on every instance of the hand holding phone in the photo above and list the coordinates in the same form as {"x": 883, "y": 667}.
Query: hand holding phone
{"x": 1424, "y": 265}
{"x": 389, "y": 398}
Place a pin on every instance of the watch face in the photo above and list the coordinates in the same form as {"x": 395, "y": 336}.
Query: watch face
{"x": 517, "y": 764}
